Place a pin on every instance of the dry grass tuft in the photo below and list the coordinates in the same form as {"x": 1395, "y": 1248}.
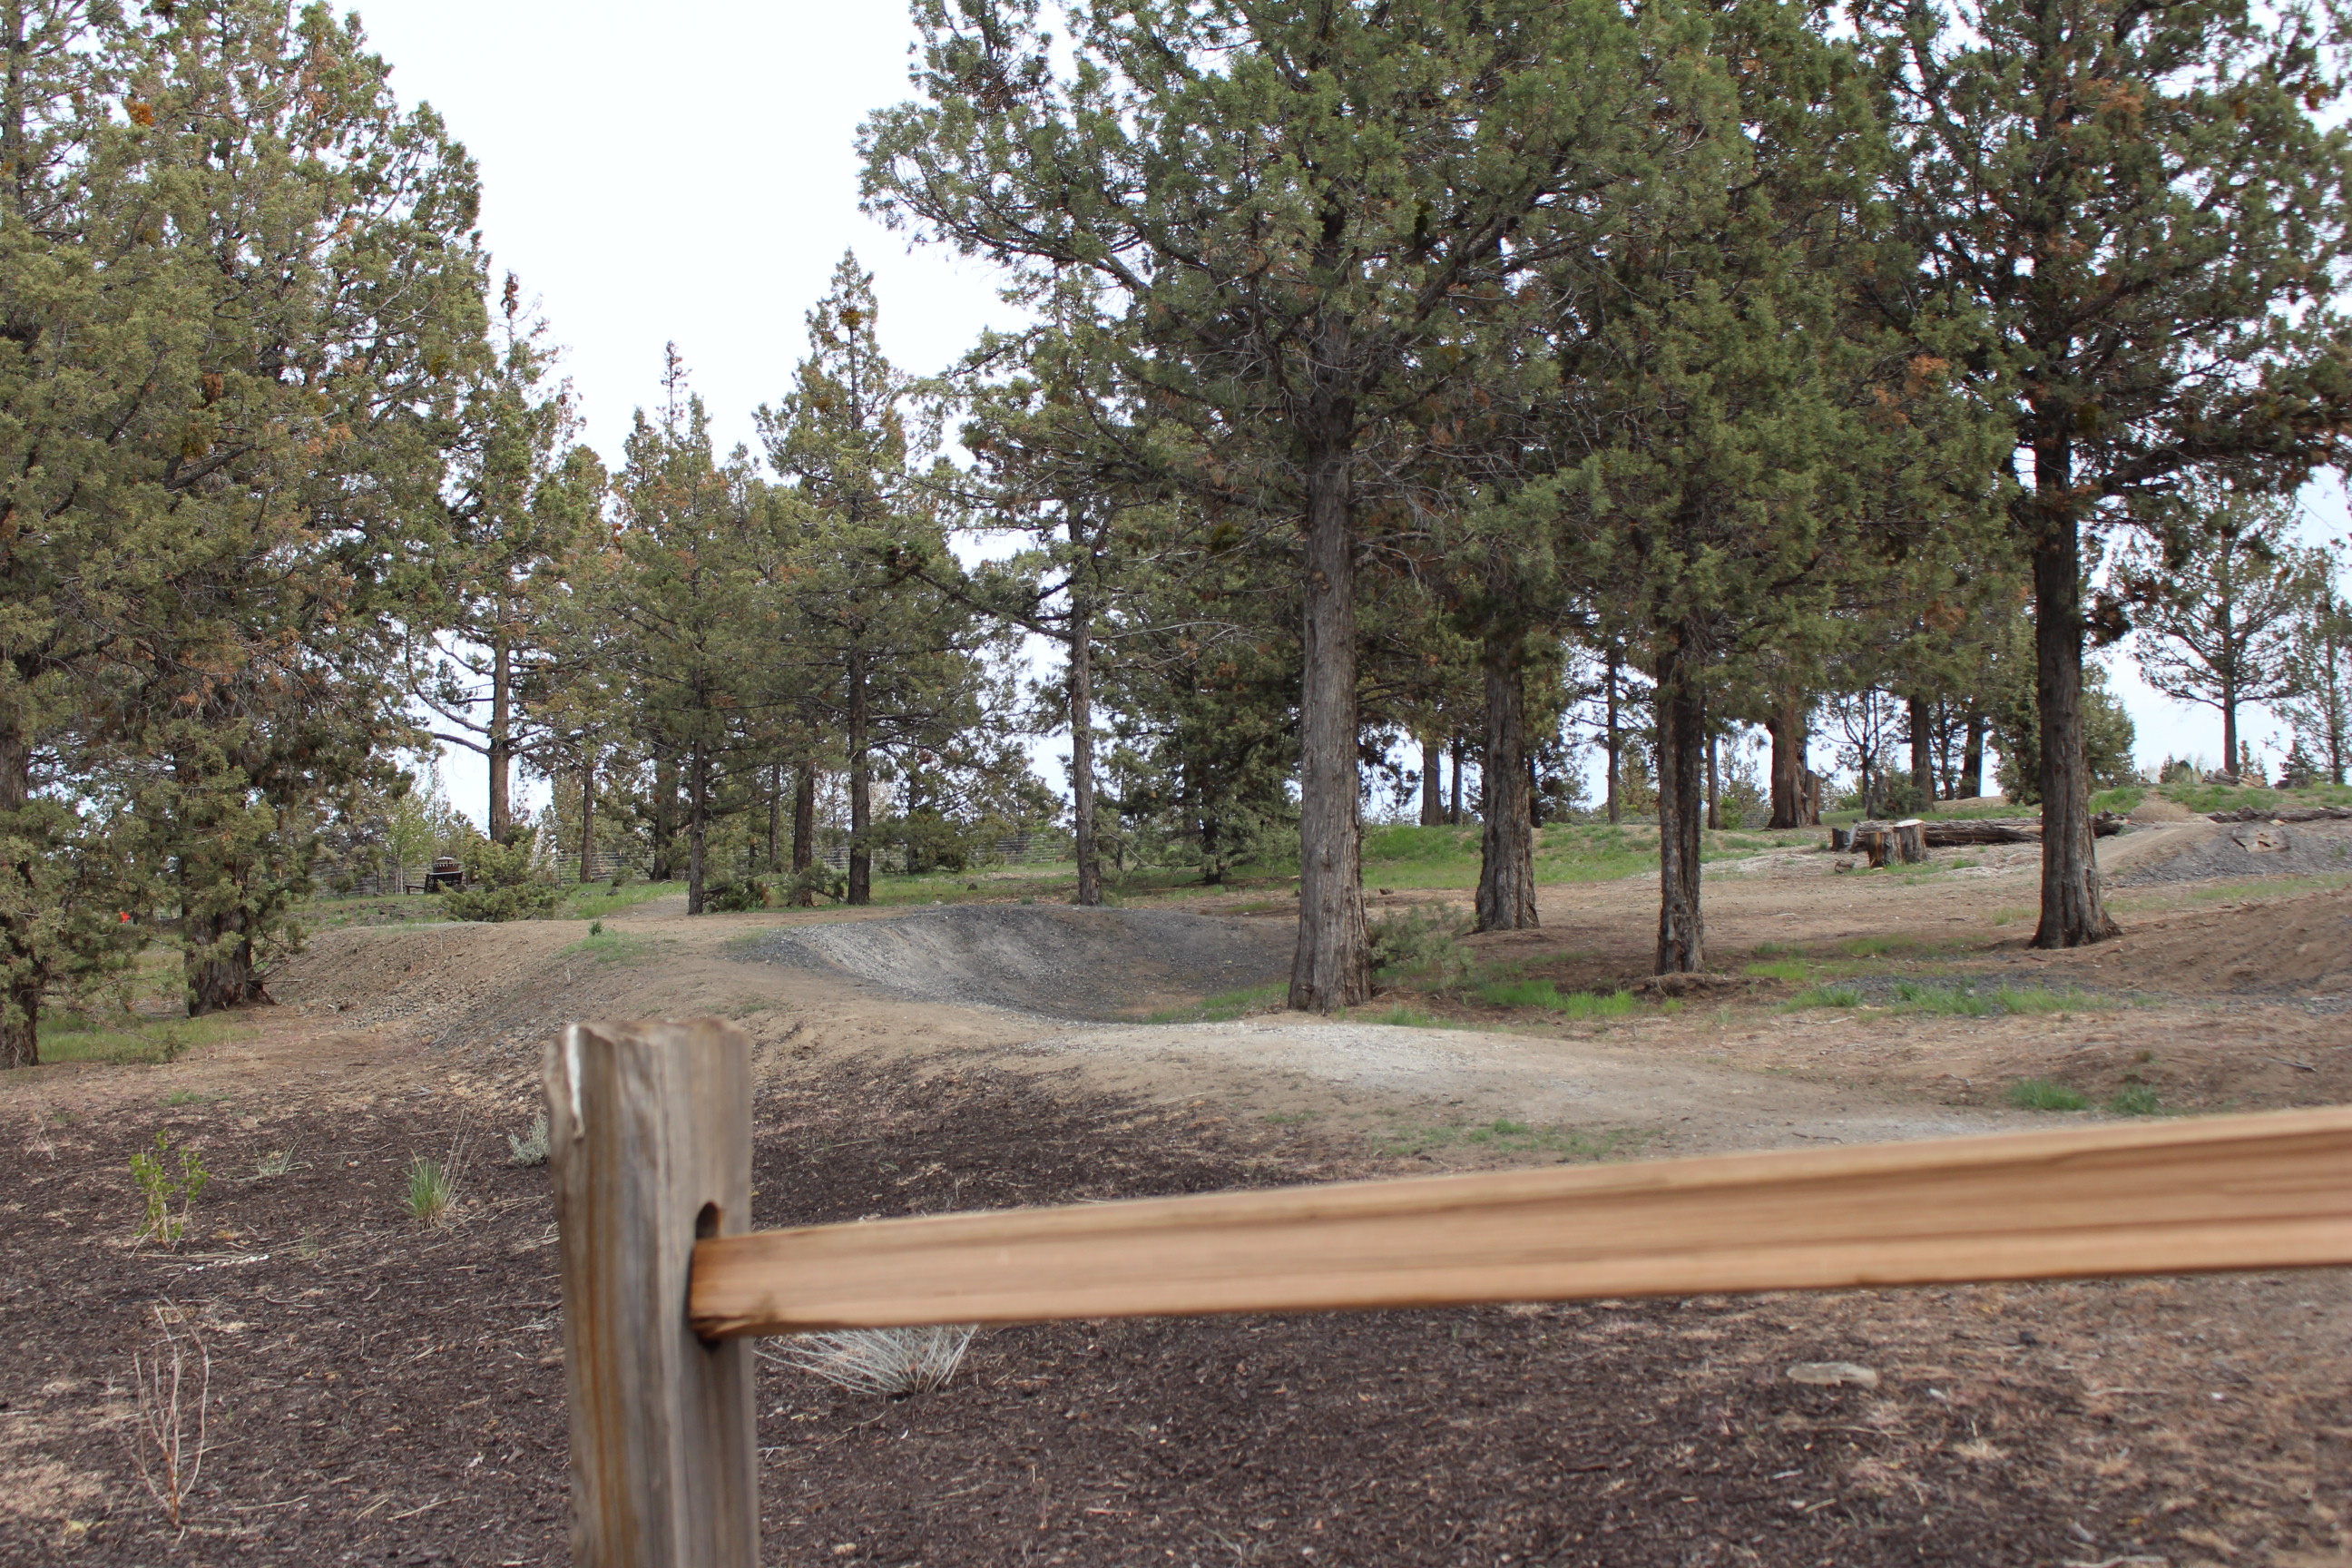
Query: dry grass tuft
{"x": 892, "y": 1361}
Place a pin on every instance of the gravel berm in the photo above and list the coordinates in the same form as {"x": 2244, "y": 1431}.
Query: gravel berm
{"x": 1099, "y": 964}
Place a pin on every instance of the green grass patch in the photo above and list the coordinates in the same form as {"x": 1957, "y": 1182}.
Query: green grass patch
{"x": 2041, "y": 999}
{"x": 1876, "y": 946}
{"x": 615, "y": 947}
{"x": 1578, "y": 1006}
{"x": 2136, "y": 1100}
{"x": 121, "y": 1040}
{"x": 1521, "y": 994}
{"x": 1959, "y": 1001}
{"x": 1226, "y": 1006}
{"x": 1403, "y": 1017}
{"x": 1506, "y": 1136}
{"x": 1781, "y": 968}
{"x": 1584, "y": 1007}
{"x": 2205, "y": 798}
{"x": 594, "y": 901}
{"x": 1827, "y": 996}
{"x": 2043, "y": 1094}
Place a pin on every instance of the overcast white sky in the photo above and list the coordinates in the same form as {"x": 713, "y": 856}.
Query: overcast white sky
{"x": 685, "y": 171}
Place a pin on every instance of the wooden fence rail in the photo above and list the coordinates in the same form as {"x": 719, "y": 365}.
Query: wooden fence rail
{"x": 650, "y": 1142}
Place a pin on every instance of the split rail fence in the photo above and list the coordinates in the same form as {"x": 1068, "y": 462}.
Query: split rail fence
{"x": 650, "y": 1145}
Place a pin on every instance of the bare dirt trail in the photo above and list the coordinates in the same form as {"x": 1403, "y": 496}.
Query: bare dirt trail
{"x": 385, "y": 1392}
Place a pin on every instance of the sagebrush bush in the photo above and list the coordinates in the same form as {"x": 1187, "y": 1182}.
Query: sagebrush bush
{"x": 1421, "y": 945}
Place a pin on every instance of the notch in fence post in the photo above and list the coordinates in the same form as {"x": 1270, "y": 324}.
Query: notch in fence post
{"x": 649, "y": 1140}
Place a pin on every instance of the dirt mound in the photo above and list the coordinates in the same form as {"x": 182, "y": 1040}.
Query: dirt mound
{"x": 2296, "y": 944}
{"x": 2239, "y": 849}
{"x": 2157, "y": 808}
{"x": 1062, "y": 962}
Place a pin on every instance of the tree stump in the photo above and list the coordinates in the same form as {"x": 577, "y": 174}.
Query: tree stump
{"x": 1909, "y": 842}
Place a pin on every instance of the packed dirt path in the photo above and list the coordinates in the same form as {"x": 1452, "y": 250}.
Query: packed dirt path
{"x": 383, "y": 1391}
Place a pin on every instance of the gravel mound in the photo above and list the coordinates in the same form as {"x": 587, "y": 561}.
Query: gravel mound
{"x": 1062, "y": 962}
{"x": 2248, "y": 850}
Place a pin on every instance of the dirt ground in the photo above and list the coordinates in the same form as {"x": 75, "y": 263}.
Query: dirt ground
{"x": 385, "y": 1392}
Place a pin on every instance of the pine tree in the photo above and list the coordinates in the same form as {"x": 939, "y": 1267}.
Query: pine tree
{"x": 1299, "y": 236}
{"x": 2224, "y": 599}
{"x": 2140, "y": 210}
{"x": 2321, "y": 709}
{"x": 1742, "y": 446}
{"x": 692, "y": 616}
{"x": 900, "y": 663}
{"x": 239, "y": 317}
{"x": 524, "y": 497}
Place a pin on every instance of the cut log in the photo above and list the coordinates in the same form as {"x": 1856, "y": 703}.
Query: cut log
{"x": 1971, "y": 835}
{"x": 2285, "y": 814}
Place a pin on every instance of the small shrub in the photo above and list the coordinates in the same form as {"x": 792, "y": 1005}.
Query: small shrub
{"x": 171, "y": 1384}
{"x": 531, "y": 1149}
{"x": 1424, "y": 945}
{"x": 733, "y": 898}
{"x": 501, "y": 882}
{"x": 160, "y": 1185}
{"x": 276, "y": 1164}
{"x": 432, "y": 1194}
{"x": 890, "y": 1362}
{"x": 2041, "y": 1094}
{"x": 2136, "y": 1100}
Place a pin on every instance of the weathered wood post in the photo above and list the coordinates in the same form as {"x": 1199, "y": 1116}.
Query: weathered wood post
{"x": 649, "y": 1140}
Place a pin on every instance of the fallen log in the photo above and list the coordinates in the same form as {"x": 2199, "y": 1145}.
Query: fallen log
{"x": 1973, "y": 833}
{"x": 2284, "y": 814}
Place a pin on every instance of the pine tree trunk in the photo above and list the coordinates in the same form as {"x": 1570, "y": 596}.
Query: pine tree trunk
{"x": 1082, "y": 742}
{"x": 664, "y": 816}
{"x": 1614, "y": 742}
{"x": 1332, "y": 966}
{"x": 1787, "y": 728}
{"x": 1681, "y": 743}
{"x": 2230, "y": 728}
{"x": 501, "y": 750}
{"x": 775, "y": 817}
{"x": 224, "y": 977}
{"x": 587, "y": 817}
{"x": 697, "y": 824}
{"x": 1507, "y": 870}
{"x": 1714, "y": 783}
{"x": 1971, "y": 783}
{"x": 1923, "y": 754}
{"x": 861, "y": 787}
{"x": 1459, "y": 751}
{"x": 20, "y": 1025}
{"x": 20, "y": 960}
{"x": 1432, "y": 782}
{"x": 2074, "y": 910}
{"x": 803, "y": 835}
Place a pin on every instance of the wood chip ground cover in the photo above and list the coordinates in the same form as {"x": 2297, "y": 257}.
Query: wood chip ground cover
{"x": 385, "y": 1393}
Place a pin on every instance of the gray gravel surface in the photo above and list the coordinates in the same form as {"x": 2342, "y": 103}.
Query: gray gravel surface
{"x": 2249, "y": 849}
{"x": 1050, "y": 960}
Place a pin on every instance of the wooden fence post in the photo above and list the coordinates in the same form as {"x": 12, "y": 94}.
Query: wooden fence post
{"x": 649, "y": 1140}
